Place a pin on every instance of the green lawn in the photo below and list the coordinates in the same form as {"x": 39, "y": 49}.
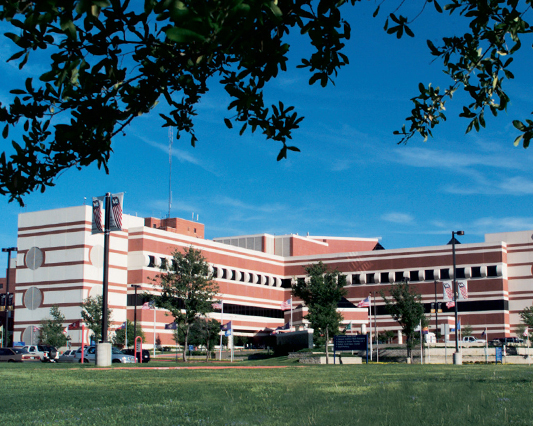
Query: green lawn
{"x": 35, "y": 394}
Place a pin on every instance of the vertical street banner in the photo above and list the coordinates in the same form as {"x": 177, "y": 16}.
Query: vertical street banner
{"x": 462, "y": 287}
{"x": 115, "y": 222}
{"x": 116, "y": 212}
{"x": 98, "y": 215}
{"x": 447, "y": 291}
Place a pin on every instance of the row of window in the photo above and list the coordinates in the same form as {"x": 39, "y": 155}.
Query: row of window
{"x": 229, "y": 308}
{"x": 425, "y": 275}
{"x": 348, "y": 279}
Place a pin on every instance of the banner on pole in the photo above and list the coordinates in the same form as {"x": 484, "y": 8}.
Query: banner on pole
{"x": 115, "y": 218}
{"x": 98, "y": 215}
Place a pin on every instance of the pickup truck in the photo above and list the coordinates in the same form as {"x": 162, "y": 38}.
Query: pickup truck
{"x": 44, "y": 352}
{"x": 472, "y": 339}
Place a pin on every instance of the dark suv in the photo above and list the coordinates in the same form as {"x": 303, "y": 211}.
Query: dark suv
{"x": 145, "y": 354}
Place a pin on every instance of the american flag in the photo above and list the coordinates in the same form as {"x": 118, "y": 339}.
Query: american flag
{"x": 35, "y": 329}
{"x": 365, "y": 303}
{"x": 97, "y": 214}
{"x": 148, "y": 305}
{"x": 286, "y": 305}
{"x": 217, "y": 305}
{"x": 116, "y": 208}
{"x": 450, "y": 304}
{"x": 463, "y": 289}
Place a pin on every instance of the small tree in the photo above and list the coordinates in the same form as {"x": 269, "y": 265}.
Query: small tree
{"x": 406, "y": 308}
{"x": 91, "y": 313}
{"x": 187, "y": 290}
{"x": 52, "y": 329}
{"x": 466, "y": 330}
{"x": 321, "y": 294}
{"x": 204, "y": 331}
{"x": 120, "y": 334}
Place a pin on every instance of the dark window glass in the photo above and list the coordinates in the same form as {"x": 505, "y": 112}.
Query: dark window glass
{"x": 476, "y": 272}
{"x": 460, "y": 273}
{"x": 430, "y": 274}
{"x": 413, "y": 276}
{"x": 370, "y": 278}
{"x": 445, "y": 274}
{"x": 492, "y": 271}
{"x": 398, "y": 277}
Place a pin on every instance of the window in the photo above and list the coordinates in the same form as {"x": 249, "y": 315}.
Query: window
{"x": 286, "y": 283}
{"x": 398, "y": 276}
{"x": 151, "y": 262}
{"x": 413, "y": 276}
{"x": 430, "y": 274}
{"x": 384, "y": 277}
{"x": 460, "y": 273}
{"x": 492, "y": 271}
{"x": 370, "y": 279}
{"x": 445, "y": 274}
{"x": 164, "y": 263}
{"x": 356, "y": 279}
{"x": 342, "y": 280}
{"x": 476, "y": 271}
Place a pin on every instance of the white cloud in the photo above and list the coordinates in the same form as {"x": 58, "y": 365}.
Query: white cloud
{"x": 397, "y": 217}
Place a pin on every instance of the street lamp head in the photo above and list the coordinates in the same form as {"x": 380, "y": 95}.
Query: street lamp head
{"x": 460, "y": 232}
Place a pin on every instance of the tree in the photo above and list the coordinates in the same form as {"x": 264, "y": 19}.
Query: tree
{"x": 120, "y": 334}
{"x": 466, "y": 330}
{"x": 406, "y": 308}
{"x": 321, "y": 294}
{"x": 526, "y": 317}
{"x": 187, "y": 290}
{"x": 205, "y": 331}
{"x": 52, "y": 330}
{"x": 91, "y": 313}
{"x": 111, "y": 61}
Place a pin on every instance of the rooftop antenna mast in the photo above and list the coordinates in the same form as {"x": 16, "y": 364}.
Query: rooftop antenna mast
{"x": 170, "y": 141}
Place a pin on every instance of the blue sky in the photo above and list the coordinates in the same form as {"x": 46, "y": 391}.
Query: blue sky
{"x": 351, "y": 179}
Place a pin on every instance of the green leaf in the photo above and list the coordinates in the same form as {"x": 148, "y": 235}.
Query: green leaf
{"x": 183, "y": 35}
{"x": 519, "y": 125}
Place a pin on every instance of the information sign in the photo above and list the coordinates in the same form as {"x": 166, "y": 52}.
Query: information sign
{"x": 356, "y": 342}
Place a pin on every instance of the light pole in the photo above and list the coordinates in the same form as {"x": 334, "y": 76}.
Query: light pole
{"x": 457, "y": 359}
{"x": 7, "y": 250}
{"x": 135, "y": 286}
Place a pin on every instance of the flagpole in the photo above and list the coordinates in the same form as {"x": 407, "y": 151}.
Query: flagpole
{"x": 291, "y": 315}
{"x": 154, "y": 333}
{"x": 126, "y": 338}
{"x": 221, "y": 323}
{"x": 376, "y": 328}
{"x": 370, "y": 324}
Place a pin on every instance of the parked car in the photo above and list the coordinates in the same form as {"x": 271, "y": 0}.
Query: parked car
{"x": 506, "y": 341}
{"x": 116, "y": 355}
{"x": 472, "y": 339}
{"x": 46, "y": 353}
{"x": 67, "y": 356}
{"x": 145, "y": 354}
{"x": 10, "y": 355}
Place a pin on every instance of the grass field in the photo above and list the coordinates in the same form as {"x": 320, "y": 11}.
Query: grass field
{"x": 36, "y": 394}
